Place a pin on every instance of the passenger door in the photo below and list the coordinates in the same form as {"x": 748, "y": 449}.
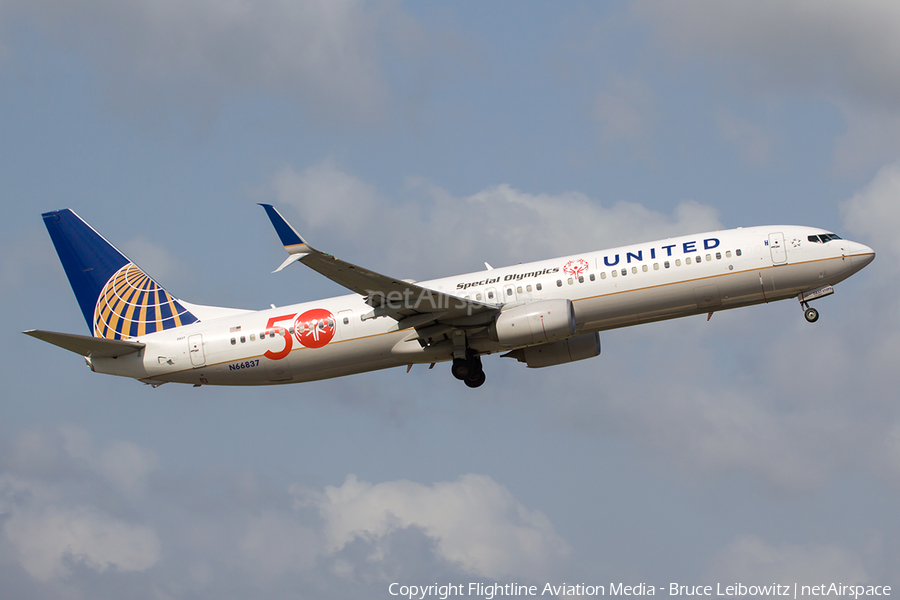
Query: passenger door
{"x": 776, "y": 248}
{"x": 195, "y": 345}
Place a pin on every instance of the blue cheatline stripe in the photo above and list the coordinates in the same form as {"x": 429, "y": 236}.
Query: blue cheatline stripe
{"x": 285, "y": 232}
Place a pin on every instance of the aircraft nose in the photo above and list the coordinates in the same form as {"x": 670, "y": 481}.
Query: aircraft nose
{"x": 860, "y": 254}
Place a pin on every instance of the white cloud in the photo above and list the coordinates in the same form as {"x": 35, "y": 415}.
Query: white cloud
{"x": 328, "y": 198}
{"x": 432, "y": 230}
{"x": 49, "y": 523}
{"x": 197, "y": 53}
{"x": 46, "y": 537}
{"x": 874, "y": 214}
{"x": 750, "y": 560}
{"x": 277, "y": 542}
{"x": 477, "y": 523}
{"x": 829, "y": 46}
{"x": 842, "y": 52}
{"x": 123, "y": 464}
{"x": 872, "y": 137}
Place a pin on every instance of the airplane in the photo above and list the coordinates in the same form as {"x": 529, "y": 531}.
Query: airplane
{"x": 542, "y": 313}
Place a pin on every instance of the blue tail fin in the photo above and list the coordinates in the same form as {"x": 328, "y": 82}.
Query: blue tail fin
{"x": 117, "y": 298}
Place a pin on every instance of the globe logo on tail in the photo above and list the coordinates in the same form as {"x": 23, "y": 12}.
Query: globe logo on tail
{"x": 131, "y": 304}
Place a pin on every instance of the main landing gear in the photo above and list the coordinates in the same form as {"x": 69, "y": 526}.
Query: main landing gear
{"x": 469, "y": 370}
{"x": 466, "y": 364}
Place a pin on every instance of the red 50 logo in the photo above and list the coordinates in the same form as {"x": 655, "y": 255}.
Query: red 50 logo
{"x": 313, "y": 329}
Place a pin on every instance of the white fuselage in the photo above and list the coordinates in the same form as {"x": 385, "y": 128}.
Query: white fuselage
{"x": 613, "y": 288}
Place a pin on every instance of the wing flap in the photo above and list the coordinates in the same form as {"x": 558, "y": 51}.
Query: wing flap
{"x": 85, "y": 345}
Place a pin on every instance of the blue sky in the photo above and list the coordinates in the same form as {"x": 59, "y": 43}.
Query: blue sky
{"x": 422, "y": 139}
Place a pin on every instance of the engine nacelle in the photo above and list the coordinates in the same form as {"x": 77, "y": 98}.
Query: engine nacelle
{"x": 535, "y": 323}
{"x": 575, "y": 348}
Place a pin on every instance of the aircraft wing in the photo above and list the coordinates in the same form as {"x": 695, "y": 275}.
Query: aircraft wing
{"x": 85, "y": 345}
{"x": 413, "y": 305}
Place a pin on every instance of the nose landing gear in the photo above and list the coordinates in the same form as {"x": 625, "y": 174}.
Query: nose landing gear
{"x": 811, "y": 314}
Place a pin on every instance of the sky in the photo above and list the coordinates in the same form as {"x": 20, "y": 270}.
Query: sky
{"x": 421, "y": 140}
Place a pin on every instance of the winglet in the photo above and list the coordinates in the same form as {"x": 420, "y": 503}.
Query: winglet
{"x": 292, "y": 241}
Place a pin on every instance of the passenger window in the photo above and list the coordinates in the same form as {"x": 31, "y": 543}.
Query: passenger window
{"x": 233, "y": 341}
{"x": 687, "y": 261}
{"x": 478, "y": 297}
{"x": 615, "y": 273}
{"x": 346, "y": 320}
{"x": 252, "y": 337}
{"x": 509, "y": 291}
{"x": 708, "y": 258}
{"x": 243, "y": 339}
{"x": 490, "y": 295}
{"x": 570, "y": 281}
{"x": 603, "y": 275}
{"x": 718, "y": 256}
{"x": 559, "y": 283}
{"x": 592, "y": 277}
{"x": 666, "y": 264}
{"x": 644, "y": 268}
{"x": 581, "y": 279}
{"x": 698, "y": 259}
{"x": 528, "y": 288}
{"x": 728, "y": 254}
{"x": 633, "y": 270}
{"x": 678, "y": 262}
{"x": 519, "y": 290}
{"x": 738, "y": 251}
{"x": 539, "y": 287}
{"x": 656, "y": 266}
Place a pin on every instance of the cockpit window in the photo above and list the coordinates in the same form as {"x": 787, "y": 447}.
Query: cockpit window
{"x": 821, "y": 239}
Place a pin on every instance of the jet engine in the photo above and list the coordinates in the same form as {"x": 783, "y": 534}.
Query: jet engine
{"x": 535, "y": 323}
{"x": 575, "y": 348}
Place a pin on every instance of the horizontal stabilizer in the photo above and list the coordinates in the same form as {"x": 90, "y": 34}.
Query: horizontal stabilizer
{"x": 85, "y": 345}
